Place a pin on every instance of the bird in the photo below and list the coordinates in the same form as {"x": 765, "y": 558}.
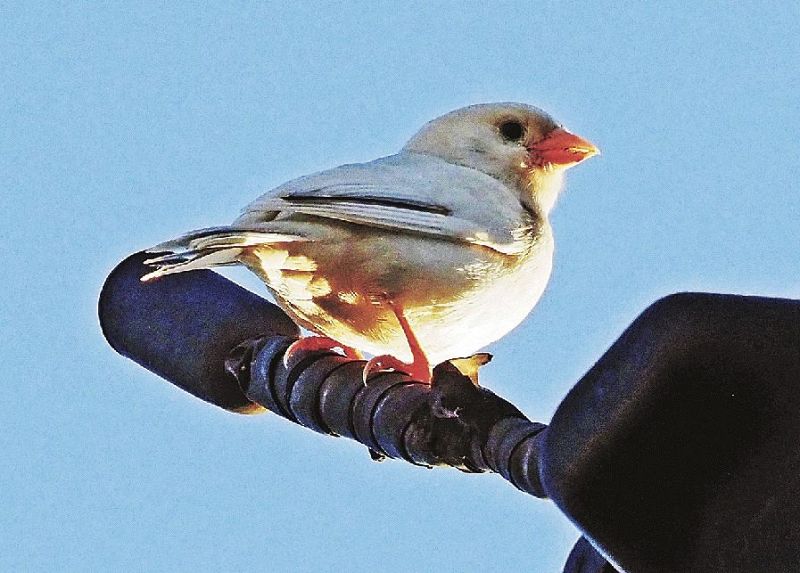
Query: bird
{"x": 426, "y": 255}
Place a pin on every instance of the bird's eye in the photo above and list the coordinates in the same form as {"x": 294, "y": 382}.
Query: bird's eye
{"x": 512, "y": 130}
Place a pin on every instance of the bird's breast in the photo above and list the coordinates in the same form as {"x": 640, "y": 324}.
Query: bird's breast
{"x": 457, "y": 297}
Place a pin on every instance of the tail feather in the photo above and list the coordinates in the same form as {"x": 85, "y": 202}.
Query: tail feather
{"x": 224, "y": 236}
{"x": 212, "y": 247}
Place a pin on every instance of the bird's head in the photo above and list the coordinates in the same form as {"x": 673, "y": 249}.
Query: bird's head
{"x": 516, "y": 143}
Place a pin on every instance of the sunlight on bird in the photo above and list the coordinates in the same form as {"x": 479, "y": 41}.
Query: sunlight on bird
{"x": 422, "y": 256}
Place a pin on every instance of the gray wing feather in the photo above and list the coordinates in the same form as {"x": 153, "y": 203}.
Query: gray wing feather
{"x": 407, "y": 192}
{"x": 381, "y": 216}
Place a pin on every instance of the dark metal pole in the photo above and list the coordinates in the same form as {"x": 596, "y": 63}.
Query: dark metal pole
{"x": 206, "y": 335}
{"x": 451, "y": 422}
{"x": 676, "y": 452}
{"x": 183, "y": 329}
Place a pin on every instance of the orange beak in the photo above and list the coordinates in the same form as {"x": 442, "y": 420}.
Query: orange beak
{"x": 560, "y": 147}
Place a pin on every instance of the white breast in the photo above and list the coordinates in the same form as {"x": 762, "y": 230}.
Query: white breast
{"x": 457, "y": 300}
{"x": 486, "y": 314}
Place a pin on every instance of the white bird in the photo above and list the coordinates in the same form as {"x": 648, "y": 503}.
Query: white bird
{"x": 422, "y": 256}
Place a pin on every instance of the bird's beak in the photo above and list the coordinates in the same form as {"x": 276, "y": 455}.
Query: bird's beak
{"x": 561, "y": 148}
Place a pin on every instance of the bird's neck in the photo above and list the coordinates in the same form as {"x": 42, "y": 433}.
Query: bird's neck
{"x": 540, "y": 189}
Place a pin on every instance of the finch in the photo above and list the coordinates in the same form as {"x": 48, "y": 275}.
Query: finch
{"x": 416, "y": 258}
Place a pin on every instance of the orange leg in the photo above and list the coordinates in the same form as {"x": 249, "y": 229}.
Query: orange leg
{"x": 317, "y": 344}
{"x": 419, "y": 369}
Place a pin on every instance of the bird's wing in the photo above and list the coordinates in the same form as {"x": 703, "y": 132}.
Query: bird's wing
{"x": 407, "y": 192}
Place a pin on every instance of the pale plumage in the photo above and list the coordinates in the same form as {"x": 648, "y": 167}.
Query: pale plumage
{"x": 448, "y": 238}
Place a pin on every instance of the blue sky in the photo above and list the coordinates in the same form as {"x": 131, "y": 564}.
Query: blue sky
{"x": 122, "y": 126}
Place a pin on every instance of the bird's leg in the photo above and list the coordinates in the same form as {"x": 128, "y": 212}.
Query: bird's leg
{"x": 317, "y": 344}
{"x": 419, "y": 369}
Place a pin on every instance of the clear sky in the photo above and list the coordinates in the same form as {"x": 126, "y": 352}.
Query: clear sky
{"x": 123, "y": 126}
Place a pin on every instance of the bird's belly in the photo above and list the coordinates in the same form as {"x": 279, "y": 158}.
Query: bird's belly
{"x": 482, "y": 315}
{"x": 457, "y": 299}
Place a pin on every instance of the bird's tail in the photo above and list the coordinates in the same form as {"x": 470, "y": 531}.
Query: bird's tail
{"x": 212, "y": 247}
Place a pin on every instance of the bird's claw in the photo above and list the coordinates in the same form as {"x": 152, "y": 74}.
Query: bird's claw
{"x": 384, "y": 362}
{"x": 316, "y": 344}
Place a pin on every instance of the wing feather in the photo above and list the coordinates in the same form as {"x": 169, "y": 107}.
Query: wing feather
{"x": 407, "y": 192}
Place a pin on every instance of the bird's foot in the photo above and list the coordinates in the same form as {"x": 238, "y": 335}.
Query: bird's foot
{"x": 419, "y": 370}
{"x": 317, "y": 344}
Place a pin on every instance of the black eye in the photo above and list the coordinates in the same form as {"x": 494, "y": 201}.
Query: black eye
{"x": 512, "y": 130}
